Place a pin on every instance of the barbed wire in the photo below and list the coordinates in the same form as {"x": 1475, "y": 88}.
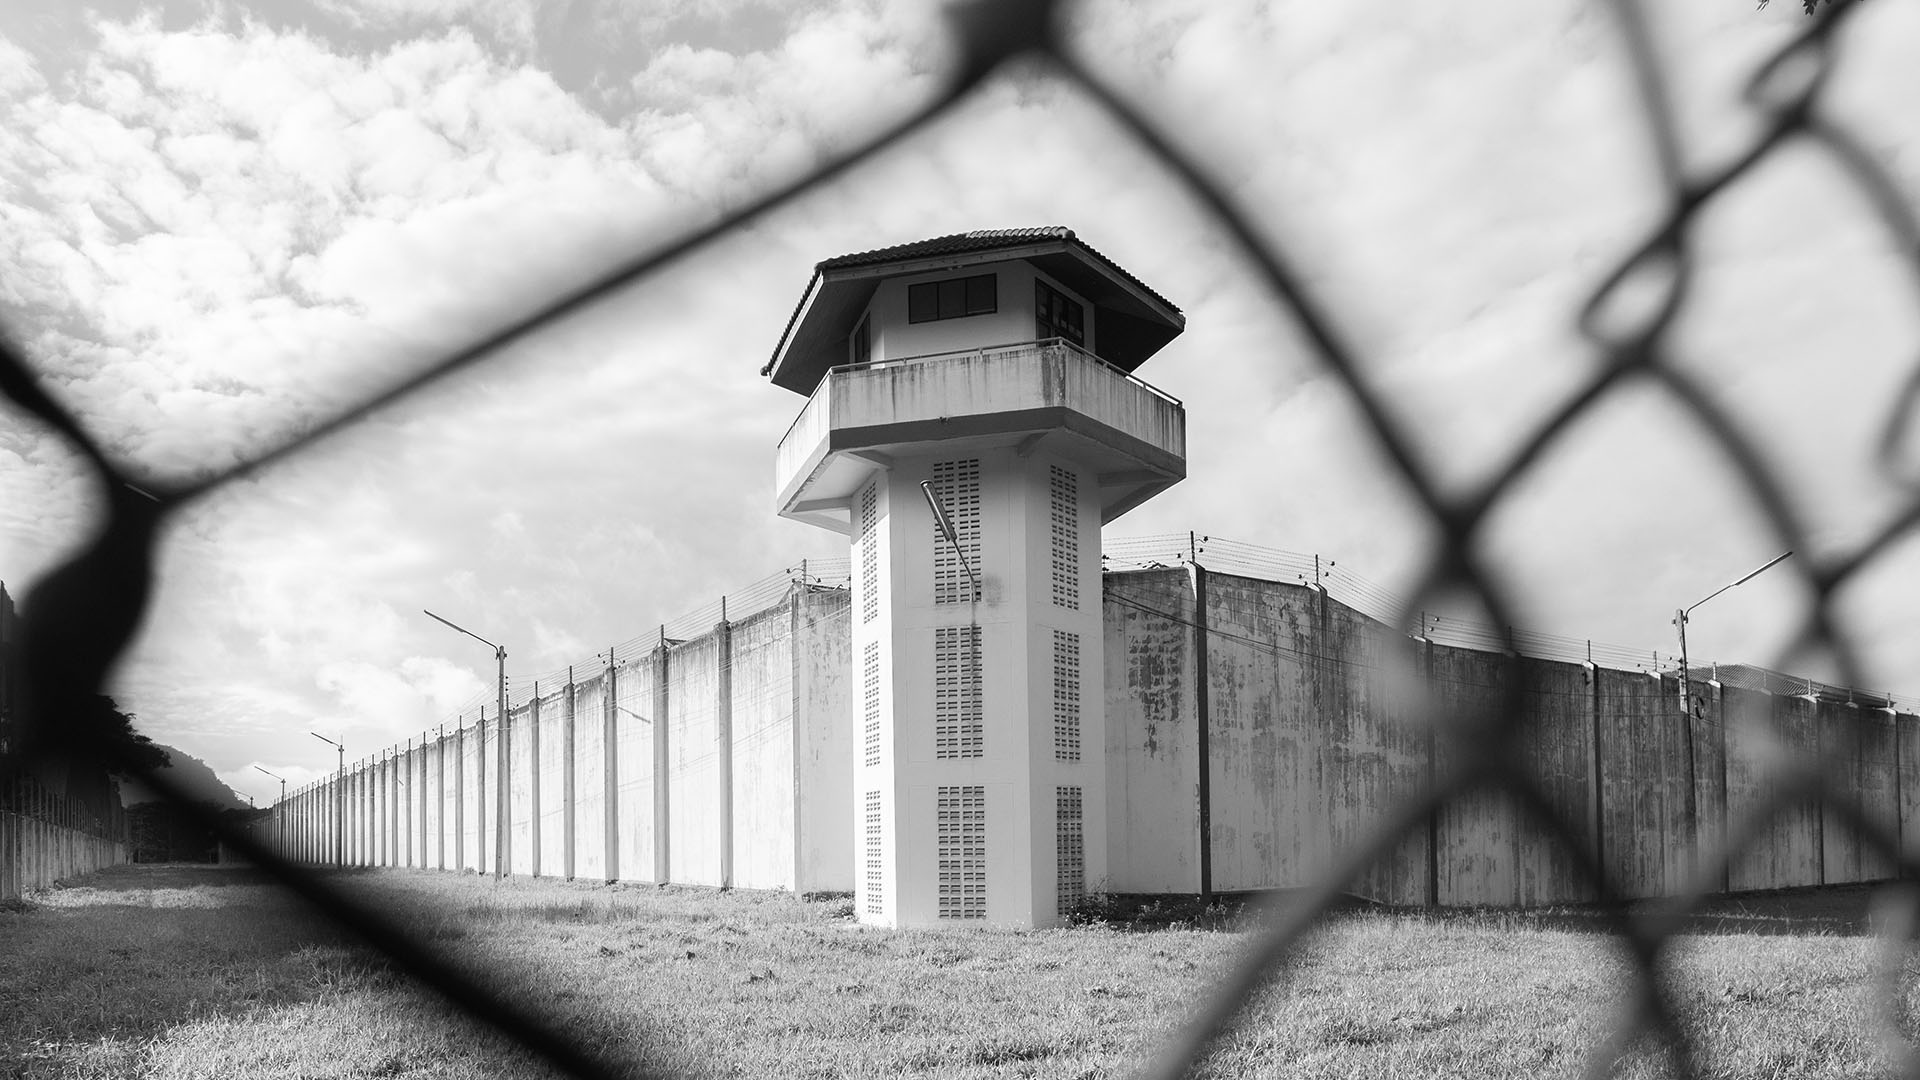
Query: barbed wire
{"x": 79, "y": 618}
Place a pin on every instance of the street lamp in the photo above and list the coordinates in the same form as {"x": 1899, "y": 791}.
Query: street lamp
{"x": 501, "y": 848}
{"x": 279, "y": 808}
{"x": 1686, "y": 717}
{"x": 276, "y": 776}
{"x": 339, "y": 801}
{"x": 945, "y": 525}
{"x": 1680, "y": 621}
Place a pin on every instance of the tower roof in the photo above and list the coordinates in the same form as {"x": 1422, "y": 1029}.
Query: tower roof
{"x": 1134, "y": 320}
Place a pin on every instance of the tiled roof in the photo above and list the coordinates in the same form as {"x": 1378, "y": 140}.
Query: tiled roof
{"x": 978, "y": 240}
{"x": 954, "y": 244}
{"x": 966, "y": 243}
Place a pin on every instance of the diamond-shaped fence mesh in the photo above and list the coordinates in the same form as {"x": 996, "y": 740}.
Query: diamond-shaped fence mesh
{"x": 84, "y": 613}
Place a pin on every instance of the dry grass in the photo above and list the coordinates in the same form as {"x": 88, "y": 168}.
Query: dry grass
{"x": 211, "y": 973}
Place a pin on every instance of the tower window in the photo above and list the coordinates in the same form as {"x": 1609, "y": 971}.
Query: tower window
{"x": 860, "y": 344}
{"x": 953, "y": 298}
{"x": 1056, "y": 316}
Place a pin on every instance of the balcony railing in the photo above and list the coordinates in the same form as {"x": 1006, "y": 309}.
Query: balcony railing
{"x": 1013, "y": 348}
{"x": 982, "y": 380}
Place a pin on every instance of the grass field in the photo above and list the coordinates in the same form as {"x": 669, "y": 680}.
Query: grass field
{"x": 180, "y": 972}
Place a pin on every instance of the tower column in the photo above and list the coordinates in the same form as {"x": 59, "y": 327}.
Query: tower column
{"x": 967, "y": 363}
{"x": 979, "y": 736}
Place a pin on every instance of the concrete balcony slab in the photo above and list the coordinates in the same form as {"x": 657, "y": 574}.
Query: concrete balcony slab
{"x": 1131, "y": 435}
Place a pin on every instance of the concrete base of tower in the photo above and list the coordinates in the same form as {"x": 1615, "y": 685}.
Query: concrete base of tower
{"x": 980, "y": 785}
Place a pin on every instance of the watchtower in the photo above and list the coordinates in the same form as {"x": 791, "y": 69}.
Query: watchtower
{"x": 983, "y": 378}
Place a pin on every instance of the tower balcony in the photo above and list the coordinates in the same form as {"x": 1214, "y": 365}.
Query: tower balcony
{"x": 1131, "y": 434}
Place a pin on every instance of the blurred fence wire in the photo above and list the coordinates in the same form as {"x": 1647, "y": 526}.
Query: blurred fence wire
{"x": 82, "y": 615}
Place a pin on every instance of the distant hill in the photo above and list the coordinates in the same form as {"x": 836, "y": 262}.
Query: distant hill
{"x": 190, "y": 773}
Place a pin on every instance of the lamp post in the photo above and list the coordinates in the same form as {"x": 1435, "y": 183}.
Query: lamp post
{"x": 339, "y": 801}
{"x": 1686, "y": 718}
{"x": 501, "y": 848}
{"x": 945, "y": 525}
{"x": 279, "y": 808}
{"x": 1680, "y": 621}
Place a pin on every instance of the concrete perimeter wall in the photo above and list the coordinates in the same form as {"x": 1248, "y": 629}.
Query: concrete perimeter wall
{"x": 47, "y": 835}
{"x": 1302, "y": 739}
{"x": 1257, "y": 733}
{"x": 723, "y": 760}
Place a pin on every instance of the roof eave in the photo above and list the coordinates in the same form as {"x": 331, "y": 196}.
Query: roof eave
{"x": 793, "y": 320}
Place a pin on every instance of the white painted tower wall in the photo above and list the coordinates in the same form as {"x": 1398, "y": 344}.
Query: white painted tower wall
{"x": 994, "y": 813}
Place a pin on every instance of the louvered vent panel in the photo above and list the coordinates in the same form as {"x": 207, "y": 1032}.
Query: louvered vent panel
{"x": 876, "y": 878}
{"x": 962, "y": 815}
{"x": 871, "y": 678}
{"x": 869, "y": 552}
{"x": 1071, "y": 850}
{"x": 956, "y": 693}
{"x": 957, "y": 483}
{"x": 1066, "y": 539}
{"x": 1066, "y": 696}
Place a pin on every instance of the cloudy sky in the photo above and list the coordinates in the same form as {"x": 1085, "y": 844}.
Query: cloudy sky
{"x": 221, "y": 221}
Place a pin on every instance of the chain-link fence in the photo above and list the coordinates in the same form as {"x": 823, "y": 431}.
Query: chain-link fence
{"x": 83, "y": 614}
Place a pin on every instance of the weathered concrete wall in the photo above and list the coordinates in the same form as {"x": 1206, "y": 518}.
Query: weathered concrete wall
{"x": 1878, "y": 785}
{"x": 1557, "y": 737}
{"x": 1477, "y": 834}
{"x": 1759, "y": 734}
{"x": 1306, "y": 749}
{"x": 1709, "y": 772}
{"x": 760, "y": 697}
{"x": 1309, "y": 731}
{"x": 633, "y": 722}
{"x": 823, "y": 742}
{"x": 1858, "y": 755}
{"x": 519, "y": 764}
{"x": 552, "y": 771}
{"x": 590, "y": 777}
{"x": 473, "y": 828}
{"x": 785, "y": 713}
{"x": 1646, "y": 838}
{"x": 1153, "y": 750}
{"x": 491, "y": 761}
{"x": 1906, "y": 745}
{"x": 432, "y": 805}
{"x": 1837, "y": 734}
{"x": 48, "y": 833}
{"x": 1488, "y": 849}
{"x": 693, "y": 773}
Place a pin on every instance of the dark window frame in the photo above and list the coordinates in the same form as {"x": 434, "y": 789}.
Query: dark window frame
{"x": 953, "y": 298}
{"x": 860, "y": 342}
{"x": 1057, "y": 315}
